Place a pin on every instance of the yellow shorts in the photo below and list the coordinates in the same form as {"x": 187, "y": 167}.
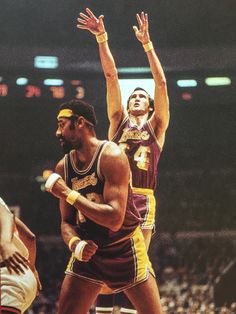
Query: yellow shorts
{"x": 145, "y": 203}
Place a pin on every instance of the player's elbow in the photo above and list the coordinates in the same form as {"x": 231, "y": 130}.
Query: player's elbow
{"x": 31, "y": 237}
{"x": 115, "y": 227}
{"x": 116, "y": 222}
{"x": 161, "y": 84}
{"x": 114, "y": 219}
{"x": 111, "y": 74}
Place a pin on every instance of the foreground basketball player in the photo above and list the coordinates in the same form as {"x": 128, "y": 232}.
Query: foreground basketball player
{"x": 99, "y": 222}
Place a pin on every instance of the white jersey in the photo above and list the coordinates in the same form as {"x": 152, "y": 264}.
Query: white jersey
{"x": 20, "y": 247}
{"x": 17, "y": 291}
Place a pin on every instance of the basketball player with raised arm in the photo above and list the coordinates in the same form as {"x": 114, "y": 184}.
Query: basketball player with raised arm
{"x": 138, "y": 129}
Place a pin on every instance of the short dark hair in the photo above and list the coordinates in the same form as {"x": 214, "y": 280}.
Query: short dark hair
{"x": 80, "y": 108}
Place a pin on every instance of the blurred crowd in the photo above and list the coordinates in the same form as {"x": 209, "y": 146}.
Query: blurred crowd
{"x": 188, "y": 269}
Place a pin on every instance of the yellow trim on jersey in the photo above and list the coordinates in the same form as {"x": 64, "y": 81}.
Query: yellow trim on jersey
{"x": 148, "y": 192}
{"x": 149, "y": 218}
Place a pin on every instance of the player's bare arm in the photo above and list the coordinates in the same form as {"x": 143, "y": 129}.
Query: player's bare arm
{"x": 111, "y": 213}
{"x": 115, "y": 109}
{"x": 29, "y": 239}
{"x": 160, "y": 118}
{"x": 68, "y": 212}
{"x": 69, "y": 224}
{"x": 116, "y": 171}
{"x": 13, "y": 260}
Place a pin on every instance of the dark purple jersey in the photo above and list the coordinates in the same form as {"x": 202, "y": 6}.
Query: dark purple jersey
{"x": 90, "y": 183}
{"x": 143, "y": 151}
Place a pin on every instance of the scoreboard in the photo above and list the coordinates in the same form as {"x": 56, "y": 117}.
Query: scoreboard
{"x": 35, "y": 88}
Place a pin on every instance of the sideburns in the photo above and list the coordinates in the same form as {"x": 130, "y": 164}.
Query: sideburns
{"x": 72, "y": 125}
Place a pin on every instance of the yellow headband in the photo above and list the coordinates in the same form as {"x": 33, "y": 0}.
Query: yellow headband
{"x": 65, "y": 113}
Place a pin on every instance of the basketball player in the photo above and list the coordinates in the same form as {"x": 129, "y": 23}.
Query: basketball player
{"x": 19, "y": 278}
{"x": 139, "y": 130}
{"x": 98, "y": 217}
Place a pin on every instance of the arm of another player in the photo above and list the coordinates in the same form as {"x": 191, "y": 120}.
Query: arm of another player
{"x": 160, "y": 118}
{"x": 29, "y": 239}
{"x": 115, "y": 110}
{"x": 13, "y": 260}
{"x": 69, "y": 226}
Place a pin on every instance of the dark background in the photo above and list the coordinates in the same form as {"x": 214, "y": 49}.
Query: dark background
{"x": 194, "y": 39}
{"x": 191, "y": 23}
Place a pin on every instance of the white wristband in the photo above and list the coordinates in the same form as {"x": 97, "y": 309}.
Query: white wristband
{"x": 52, "y": 179}
{"x": 79, "y": 250}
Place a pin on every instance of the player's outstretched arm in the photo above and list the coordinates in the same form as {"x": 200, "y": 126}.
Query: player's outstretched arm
{"x": 160, "y": 118}
{"x": 115, "y": 109}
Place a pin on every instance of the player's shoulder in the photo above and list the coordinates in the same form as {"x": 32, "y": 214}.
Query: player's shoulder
{"x": 113, "y": 159}
{"x": 112, "y": 149}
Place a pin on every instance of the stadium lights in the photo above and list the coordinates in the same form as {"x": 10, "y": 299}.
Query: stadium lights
{"x": 217, "y": 81}
{"x": 134, "y": 70}
{"x": 187, "y": 83}
{"x": 22, "y": 81}
{"x": 187, "y": 96}
{"x": 53, "y": 82}
{"x": 46, "y": 62}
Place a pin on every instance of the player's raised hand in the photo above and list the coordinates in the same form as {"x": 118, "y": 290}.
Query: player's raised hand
{"x": 90, "y": 22}
{"x": 142, "y": 32}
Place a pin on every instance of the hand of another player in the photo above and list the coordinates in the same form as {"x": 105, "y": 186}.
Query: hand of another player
{"x": 91, "y": 22}
{"x": 13, "y": 260}
{"x": 36, "y": 275}
{"x": 89, "y": 250}
{"x": 141, "y": 32}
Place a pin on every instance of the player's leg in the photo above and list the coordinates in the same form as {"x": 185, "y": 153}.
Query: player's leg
{"x": 77, "y": 295}
{"x": 104, "y": 304}
{"x": 126, "y": 307}
{"x": 145, "y": 297}
{"x": 146, "y": 204}
{"x": 147, "y": 233}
